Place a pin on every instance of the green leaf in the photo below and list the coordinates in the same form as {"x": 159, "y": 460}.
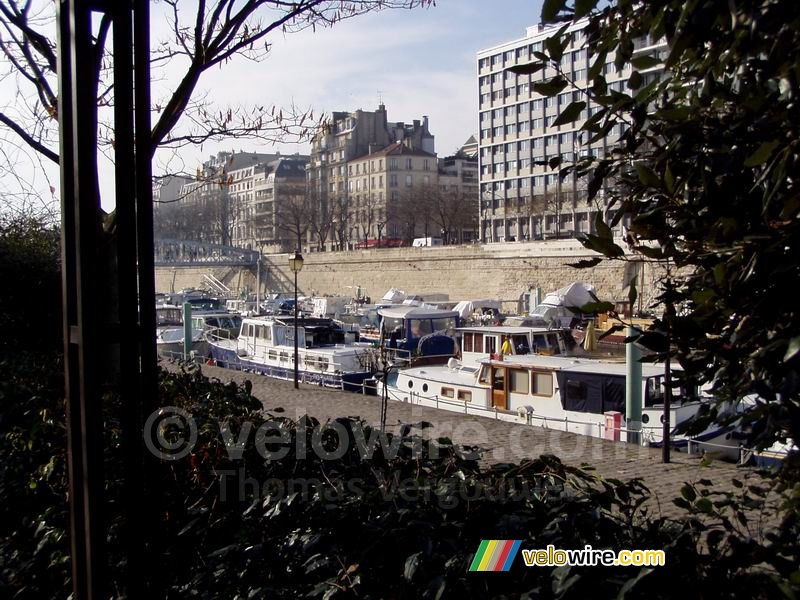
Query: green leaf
{"x": 550, "y": 87}
{"x": 586, "y": 263}
{"x": 635, "y": 81}
{"x": 603, "y": 230}
{"x": 604, "y": 246}
{"x": 761, "y": 155}
{"x": 412, "y": 563}
{"x": 687, "y": 491}
{"x": 793, "y": 349}
{"x": 645, "y": 62}
{"x": 647, "y": 176}
{"x": 528, "y": 68}
{"x": 551, "y": 8}
{"x": 584, "y": 7}
{"x": 595, "y": 308}
{"x": 555, "y": 45}
{"x": 570, "y": 113}
{"x": 704, "y": 505}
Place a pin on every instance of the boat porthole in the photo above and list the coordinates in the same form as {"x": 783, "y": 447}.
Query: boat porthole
{"x": 645, "y": 419}
{"x": 662, "y": 419}
{"x": 411, "y": 384}
{"x": 424, "y": 387}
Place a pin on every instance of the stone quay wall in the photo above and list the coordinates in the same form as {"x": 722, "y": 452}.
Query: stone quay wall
{"x": 499, "y": 271}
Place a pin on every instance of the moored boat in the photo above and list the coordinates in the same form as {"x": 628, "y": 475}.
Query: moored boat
{"x": 579, "y": 395}
{"x": 328, "y": 355}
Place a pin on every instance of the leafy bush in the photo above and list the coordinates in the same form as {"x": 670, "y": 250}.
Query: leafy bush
{"x": 30, "y": 305}
{"x": 355, "y": 533}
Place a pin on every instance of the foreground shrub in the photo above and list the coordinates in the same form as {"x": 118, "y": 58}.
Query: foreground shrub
{"x": 405, "y": 521}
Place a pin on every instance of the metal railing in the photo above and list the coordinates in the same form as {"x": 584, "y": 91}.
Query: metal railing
{"x": 645, "y": 431}
{"x": 168, "y": 252}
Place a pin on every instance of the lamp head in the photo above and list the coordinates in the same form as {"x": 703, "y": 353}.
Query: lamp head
{"x": 296, "y": 262}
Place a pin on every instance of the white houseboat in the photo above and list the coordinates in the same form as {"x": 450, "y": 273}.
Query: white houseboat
{"x": 578, "y": 395}
{"x": 328, "y": 355}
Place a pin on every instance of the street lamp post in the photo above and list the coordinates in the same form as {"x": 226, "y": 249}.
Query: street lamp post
{"x": 296, "y": 265}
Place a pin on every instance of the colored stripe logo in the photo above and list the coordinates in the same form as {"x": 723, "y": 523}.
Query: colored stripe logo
{"x": 495, "y": 555}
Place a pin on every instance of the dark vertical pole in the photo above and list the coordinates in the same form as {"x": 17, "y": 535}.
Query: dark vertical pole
{"x": 667, "y": 401}
{"x": 148, "y": 362}
{"x": 81, "y": 239}
{"x": 296, "y": 357}
{"x": 130, "y": 389}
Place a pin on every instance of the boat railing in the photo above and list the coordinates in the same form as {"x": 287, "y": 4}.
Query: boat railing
{"x": 647, "y": 433}
{"x": 217, "y": 334}
{"x": 404, "y": 358}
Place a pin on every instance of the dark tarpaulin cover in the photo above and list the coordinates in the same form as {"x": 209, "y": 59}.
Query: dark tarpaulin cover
{"x": 591, "y": 392}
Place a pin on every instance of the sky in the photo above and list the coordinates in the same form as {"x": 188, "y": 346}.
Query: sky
{"x": 418, "y": 62}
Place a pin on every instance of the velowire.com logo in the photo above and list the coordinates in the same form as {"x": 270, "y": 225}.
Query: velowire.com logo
{"x": 495, "y": 555}
{"x": 498, "y": 556}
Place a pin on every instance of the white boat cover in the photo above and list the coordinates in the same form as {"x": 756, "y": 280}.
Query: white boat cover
{"x": 465, "y": 308}
{"x": 575, "y": 294}
{"x": 415, "y": 312}
{"x": 394, "y": 296}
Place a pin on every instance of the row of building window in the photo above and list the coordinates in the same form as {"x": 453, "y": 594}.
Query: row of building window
{"x": 526, "y": 53}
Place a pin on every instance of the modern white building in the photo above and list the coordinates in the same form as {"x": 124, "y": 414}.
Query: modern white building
{"x": 521, "y": 196}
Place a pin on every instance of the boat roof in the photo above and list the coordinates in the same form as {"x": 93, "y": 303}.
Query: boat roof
{"x": 571, "y": 363}
{"x": 415, "y": 312}
{"x": 507, "y": 329}
{"x": 463, "y": 375}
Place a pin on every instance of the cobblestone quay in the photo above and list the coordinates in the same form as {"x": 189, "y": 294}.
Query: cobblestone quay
{"x": 502, "y": 441}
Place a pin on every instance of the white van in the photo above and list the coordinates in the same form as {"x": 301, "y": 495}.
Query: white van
{"x": 429, "y": 241}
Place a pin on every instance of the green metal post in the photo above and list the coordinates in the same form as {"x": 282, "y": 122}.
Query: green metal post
{"x": 187, "y": 330}
{"x": 633, "y": 388}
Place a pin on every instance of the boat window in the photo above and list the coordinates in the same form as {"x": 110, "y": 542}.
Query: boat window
{"x": 490, "y": 344}
{"x": 448, "y": 392}
{"x": 518, "y": 381}
{"x": 654, "y": 394}
{"x": 266, "y": 333}
{"x": 310, "y": 360}
{"x": 477, "y": 342}
{"x": 284, "y": 357}
{"x": 322, "y": 363}
{"x": 169, "y": 316}
{"x": 251, "y": 331}
{"x": 484, "y": 376}
{"x": 442, "y": 324}
{"x": 212, "y": 322}
{"x": 391, "y": 325}
{"x": 542, "y": 384}
{"x": 465, "y": 396}
{"x": 498, "y": 379}
{"x": 520, "y": 344}
{"x": 552, "y": 342}
{"x": 272, "y": 355}
{"x": 420, "y": 327}
{"x": 468, "y": 342}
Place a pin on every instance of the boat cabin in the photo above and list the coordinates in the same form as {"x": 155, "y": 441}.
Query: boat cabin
{"x": 478, "y": 343}
{"x": 402, "y": 327}
{"x": 168, "y": 316}
{"x": 231, "y": 323}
